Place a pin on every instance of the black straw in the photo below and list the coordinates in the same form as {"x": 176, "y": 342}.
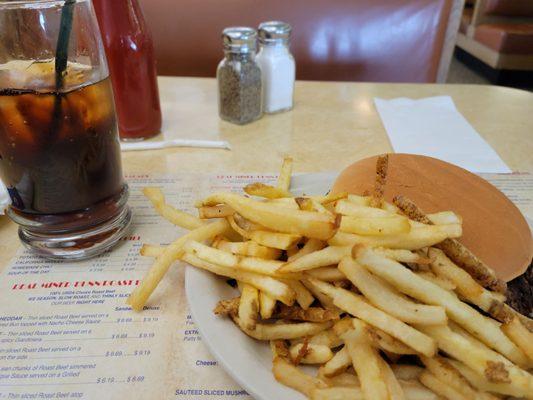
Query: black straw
{"x": 65, "y": 26}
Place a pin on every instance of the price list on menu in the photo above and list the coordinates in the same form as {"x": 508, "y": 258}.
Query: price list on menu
{"x": 67, "y": 333}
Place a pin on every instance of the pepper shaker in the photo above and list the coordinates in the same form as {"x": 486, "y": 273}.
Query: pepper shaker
{"x": 239, "y": 77}
{"x": 277, "y": 66}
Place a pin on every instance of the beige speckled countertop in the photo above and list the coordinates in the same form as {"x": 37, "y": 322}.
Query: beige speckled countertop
{"x": 332, "y": 125}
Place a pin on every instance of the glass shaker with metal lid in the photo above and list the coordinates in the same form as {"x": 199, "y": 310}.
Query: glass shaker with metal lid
{"x": 239, "y": 77}
{"x": 277, "y": 65}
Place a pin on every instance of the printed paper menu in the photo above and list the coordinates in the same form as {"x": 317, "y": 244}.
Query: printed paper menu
{"x": 66, "y": 332}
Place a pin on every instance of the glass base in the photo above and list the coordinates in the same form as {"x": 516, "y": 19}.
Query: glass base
{"x": 78, "y": 245}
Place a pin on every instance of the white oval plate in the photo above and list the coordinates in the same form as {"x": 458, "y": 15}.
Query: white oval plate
{"x": 247, "y": 360}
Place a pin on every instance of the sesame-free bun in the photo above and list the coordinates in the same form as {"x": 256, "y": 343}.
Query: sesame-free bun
{"x": 493, "y": 227}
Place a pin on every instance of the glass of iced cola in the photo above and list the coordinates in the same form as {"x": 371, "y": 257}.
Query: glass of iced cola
{"x": 59, "y": 147}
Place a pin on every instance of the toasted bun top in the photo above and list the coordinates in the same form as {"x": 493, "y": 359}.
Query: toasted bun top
{"x": 493, "y": 227}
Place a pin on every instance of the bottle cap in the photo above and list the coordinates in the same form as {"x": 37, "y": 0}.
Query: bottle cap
{"x": 273, "y": 32}
{"x": 241, "y": 39}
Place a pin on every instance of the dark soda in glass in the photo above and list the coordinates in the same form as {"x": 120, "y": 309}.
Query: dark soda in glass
{"x": 59, "y": 154}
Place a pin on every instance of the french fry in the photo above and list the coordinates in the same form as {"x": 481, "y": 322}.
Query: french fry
{"x": 406, "y": 372}
{"x": 218, "y": 211}
{"x": 172, "y": 252}
{"x": 519, "y": 335}
{"x": 177, "y": 217}
{"x": 248, "y": 248}
{"x": 388, "y": 299}
{"x": 321, "y": 258}
{"x": 482, "y": 383}
{"x": 266, "y": 191}
{"x": 281, "y": 219}
{"x": 288, "y": 202}
{"x": 338, "y": 364}
{"x": 267, "y": 305}
{"x": 337, "y": 393}
{"x": 457, "y": 252}
{"x": 330, "y": 197}
{"x": 310, "y": 246}
{"x": 249, "y": 306}
{"x": 344, "y": 379}
{"x": 382, "y": 165}
{"x": 417, "y": 238}
{"x": 293, "y": 377}
{"x": 486, "y": 362}
{"x": 449, "y": 376}
{"x": 441, "y": 388}
{"x": 314, "y": 353}
{"x": 437, "y": 280}
{"x": 151, "y": 250}
{"x": 358, "y": 307}
{"x": 274, "y": 288}
{"x": 229, "y": 260}
{"x": 387, "y": 343}
{"x": 280, "y": 349}
{"x": 327, "y": 274}
{"x": 283, "y": 331}
{"x": 445, "y": 217}
{"x": 502, "y": 312}
{"x": 470, "y": 290}
{"x": 303, "y": 296}
{"x": 275, "y": 240}
{"x": 284, "y": 179}
{"x": 305, "y": 203}
{"x": 411, "y": 284}
{"x": 343, "y": 325}
{"x": 227, "y": 307}
{"x": 393, "y": 385}
{"x": 324, "y": 300}
{"x": 367, "y": 364}
{"x": 310, "y": 204}
{"x": 404, "y": 256}
{"x": 327, "y": 338}
{"x": 375, "y": 226}
{"x": 349, "y": 208}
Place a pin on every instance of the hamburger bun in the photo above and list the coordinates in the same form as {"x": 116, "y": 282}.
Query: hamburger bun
{"x": 493, "y": 227}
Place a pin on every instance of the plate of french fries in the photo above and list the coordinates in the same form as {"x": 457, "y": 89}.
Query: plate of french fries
{"x": 343, "y": 296}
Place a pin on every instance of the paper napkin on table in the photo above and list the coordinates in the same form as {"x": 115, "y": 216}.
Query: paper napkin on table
{"x": 433, "y": 127}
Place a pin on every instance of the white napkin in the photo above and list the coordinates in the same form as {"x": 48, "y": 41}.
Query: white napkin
{"x": 433, "y": 127}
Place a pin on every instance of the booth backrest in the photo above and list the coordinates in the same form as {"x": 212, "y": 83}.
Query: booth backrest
{"x": 359, "y": 40}
{"x": 510, "y": 8}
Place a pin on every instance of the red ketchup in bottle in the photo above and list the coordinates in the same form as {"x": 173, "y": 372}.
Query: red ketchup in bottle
{"x": 130, "y": 56}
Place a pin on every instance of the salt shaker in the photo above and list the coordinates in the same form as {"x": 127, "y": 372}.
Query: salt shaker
{"x": 239, "y": 77}
{"x": 277, "y": 66}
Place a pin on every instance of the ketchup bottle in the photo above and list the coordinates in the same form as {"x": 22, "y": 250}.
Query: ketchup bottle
{"x": 130, "y": 56}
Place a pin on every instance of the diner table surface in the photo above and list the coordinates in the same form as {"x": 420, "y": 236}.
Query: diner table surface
{"x": 331, "y": 125}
